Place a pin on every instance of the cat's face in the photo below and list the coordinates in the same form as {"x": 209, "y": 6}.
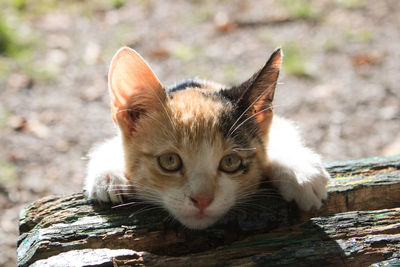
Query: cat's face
{"x": 196, "y": 149}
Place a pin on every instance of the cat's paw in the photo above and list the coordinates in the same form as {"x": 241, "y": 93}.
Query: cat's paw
{"x": 107, "y": 187}
{"x": 305, "y": 184}
{"x": 310, "y": 189}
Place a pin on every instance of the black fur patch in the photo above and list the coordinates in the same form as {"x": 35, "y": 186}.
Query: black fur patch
{"x": 183, "y": 85}
{"x": 246, "y": 128}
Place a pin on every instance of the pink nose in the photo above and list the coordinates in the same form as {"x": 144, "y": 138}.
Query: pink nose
{"x": 201, "y": 201}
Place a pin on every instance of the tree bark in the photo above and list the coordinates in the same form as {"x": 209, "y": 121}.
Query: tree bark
{"x": 358, "y": 225}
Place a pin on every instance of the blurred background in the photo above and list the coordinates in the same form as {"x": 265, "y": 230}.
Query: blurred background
{"x": 340, "y": 80}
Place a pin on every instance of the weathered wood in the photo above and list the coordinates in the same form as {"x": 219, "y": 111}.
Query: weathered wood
{"x": 352, "y": 239}
{"x": 59, "y": 230}
{"x": 53, "y": 225}
{"x": 363, "y": 184}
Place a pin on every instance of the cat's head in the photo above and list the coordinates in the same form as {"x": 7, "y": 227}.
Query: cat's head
{"x": 197, "y": 148}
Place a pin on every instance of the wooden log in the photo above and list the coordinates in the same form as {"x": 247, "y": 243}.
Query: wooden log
{"x": 363, "y": 184}
{"x": 72, "y": 231}
{"x": 344, "y": 239}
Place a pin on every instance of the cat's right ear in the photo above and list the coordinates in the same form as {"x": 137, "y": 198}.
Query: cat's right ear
{"x": 256, "y": 94}
{"x": 134, "y": 88}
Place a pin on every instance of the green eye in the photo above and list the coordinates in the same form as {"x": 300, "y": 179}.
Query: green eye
{"x": 230, "y": 163}
{"x": 170, "y": 162}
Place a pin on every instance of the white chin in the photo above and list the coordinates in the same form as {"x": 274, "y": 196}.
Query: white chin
{"x": 195, "y": 223}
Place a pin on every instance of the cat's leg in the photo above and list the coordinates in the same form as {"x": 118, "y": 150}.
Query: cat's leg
{"x": 105, "y": 180}
{"x": 295, "y": 170}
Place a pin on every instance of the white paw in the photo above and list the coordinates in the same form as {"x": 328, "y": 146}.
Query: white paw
{"x": 107, "y": 187}
{"x": 306, "y": 186}
{"x": 312, "y": 190}
{"x": 305, "y": 183}
{"x": 295, "y": 170}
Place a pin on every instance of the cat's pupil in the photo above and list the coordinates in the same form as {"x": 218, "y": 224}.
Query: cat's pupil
{"x": 171, "y": 160}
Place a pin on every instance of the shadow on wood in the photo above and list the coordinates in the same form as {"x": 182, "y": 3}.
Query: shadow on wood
{"x": 72, "y": 231}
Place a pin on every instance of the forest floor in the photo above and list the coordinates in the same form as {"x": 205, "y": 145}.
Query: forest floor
{"x": 340, "y": 80}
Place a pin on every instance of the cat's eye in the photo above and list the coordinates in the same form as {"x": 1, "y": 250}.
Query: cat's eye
{"x": 170, "y": 162}
{"x": 230, "y": 163}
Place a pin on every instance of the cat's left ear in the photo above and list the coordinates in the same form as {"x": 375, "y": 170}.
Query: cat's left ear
{"x": 256, "y": 94}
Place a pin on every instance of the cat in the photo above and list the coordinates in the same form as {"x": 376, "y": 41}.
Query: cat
{"x": 198, "y": 148}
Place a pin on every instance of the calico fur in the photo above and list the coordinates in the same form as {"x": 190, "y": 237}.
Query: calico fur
{"x": 202, "y": 122}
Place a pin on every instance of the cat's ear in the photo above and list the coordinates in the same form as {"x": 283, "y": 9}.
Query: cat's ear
{"x": 256, "y": 94}
{"x": 134, "y": 88}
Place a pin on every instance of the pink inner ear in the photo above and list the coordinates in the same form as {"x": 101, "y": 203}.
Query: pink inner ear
{"x": 129, "y": 75}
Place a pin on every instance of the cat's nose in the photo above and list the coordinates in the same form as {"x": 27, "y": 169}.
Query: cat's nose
{"x": 201, "y": 201}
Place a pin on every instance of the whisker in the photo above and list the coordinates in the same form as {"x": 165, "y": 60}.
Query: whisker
{"x": 147, "y": 115}
{"x": 125, "y": 204}
{"x": 282, "y": 180}
{"x": 166, "y": 111}
{"x": 236, "y": 149}
{"x": 144, "y": 210}
{"x": 253, "y": 115}
{"x": 252, "y": 104}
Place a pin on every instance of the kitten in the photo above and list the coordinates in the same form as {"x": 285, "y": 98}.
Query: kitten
{"x": 198, "y": 147}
